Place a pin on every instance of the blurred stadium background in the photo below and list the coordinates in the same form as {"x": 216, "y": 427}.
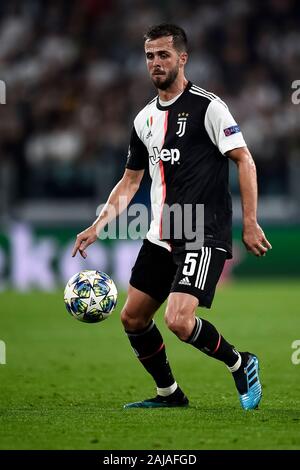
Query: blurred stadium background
{"x": 75, "y": 78}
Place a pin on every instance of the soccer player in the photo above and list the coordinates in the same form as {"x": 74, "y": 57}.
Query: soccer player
{"x": 185, "y": 137}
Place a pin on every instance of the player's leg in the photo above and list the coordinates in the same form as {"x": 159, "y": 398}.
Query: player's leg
{"x": 201, "y": 278}
{"x": 181, "y": 320}
{"x": 149, "y": 286}
{"x": 144, "y": 336}
{"x": 138, "y": 310}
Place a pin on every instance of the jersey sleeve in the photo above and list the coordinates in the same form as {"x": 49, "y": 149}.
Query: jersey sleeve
{"x": 221, "y": 127}
{"x": 137, "y": 158}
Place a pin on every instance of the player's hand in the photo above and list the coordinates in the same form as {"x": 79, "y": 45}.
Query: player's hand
{"x": 255, "y": 240}
{"x": 84, "y": 239}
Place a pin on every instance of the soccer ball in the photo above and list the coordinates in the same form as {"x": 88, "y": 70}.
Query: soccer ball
{"x": 90, "y": 296}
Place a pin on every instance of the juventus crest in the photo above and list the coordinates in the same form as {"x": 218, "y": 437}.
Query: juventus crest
{"x": 181, "y": 121}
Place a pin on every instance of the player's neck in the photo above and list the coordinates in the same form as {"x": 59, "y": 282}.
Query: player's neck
{"x": 175, "y": 89}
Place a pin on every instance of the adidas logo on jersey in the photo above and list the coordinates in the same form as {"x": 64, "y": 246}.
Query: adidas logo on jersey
{"x": 165, "y": 155}
{"x": 185, "y": 281}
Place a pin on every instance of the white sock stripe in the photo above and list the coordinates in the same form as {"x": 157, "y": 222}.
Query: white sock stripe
{"x": 143, "y": 332}
{"x": 198, "y": 329}
{"x": 237, "y": 365}
{"x": 206, "y": 269}
{"x": 164, "y": 392}
{"x": 200, "y": 266}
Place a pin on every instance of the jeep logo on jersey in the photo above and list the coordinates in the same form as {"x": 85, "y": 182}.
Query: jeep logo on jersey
{"x": 165, "y": 155}
{"x": 181, "y": 121}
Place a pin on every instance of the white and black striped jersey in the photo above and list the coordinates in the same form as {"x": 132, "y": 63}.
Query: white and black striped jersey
{"x": 184, "y": 142}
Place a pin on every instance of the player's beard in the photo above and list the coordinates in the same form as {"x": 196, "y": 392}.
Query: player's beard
{"x": 163, "y": 82}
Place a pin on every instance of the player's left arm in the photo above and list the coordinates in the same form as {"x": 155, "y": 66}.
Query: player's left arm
{"x": 253, "y": 235}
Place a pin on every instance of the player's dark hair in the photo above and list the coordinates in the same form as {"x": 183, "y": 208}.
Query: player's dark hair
{"x": 165, "y": 29}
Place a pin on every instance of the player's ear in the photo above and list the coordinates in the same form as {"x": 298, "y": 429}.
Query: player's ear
{"x": 183, "y": 58}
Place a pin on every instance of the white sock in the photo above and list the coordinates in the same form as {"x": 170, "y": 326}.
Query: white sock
{"x": 165, "y": 392}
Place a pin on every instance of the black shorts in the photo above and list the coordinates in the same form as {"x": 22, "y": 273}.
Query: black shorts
{"x": 157, "y": 272}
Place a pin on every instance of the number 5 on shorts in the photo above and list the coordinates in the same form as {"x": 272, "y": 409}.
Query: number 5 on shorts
{"x": 190, "y": 263}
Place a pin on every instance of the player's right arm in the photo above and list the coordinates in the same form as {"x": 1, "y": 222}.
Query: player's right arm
{"x": 118, "y": 200}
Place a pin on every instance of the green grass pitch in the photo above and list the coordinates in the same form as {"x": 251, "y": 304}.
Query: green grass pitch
{"x": 65, "y": 382}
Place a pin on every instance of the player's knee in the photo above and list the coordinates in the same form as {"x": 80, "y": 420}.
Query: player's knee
{"x": 178, "y": 322}
{"x": 131, "y": 321}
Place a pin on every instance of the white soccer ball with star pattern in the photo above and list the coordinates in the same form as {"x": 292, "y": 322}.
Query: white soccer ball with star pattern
{"x": 90, "y": 296}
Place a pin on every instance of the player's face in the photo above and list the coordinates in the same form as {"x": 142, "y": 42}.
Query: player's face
{"x": 163, "y": 61}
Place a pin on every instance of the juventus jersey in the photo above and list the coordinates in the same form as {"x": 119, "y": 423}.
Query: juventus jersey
{"x": 183, "y": 143}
